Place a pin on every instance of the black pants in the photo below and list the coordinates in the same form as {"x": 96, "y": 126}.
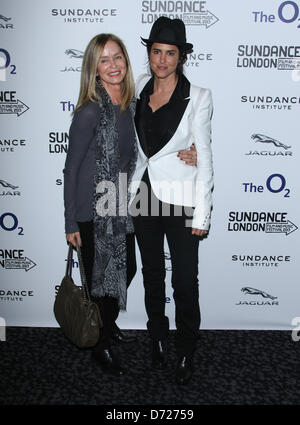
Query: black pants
{"x": 108, "y": 305}
{"x": 183, "y": 246}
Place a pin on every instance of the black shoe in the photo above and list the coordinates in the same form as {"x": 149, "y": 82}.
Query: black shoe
{"x": 118, "y": 337}
{"x": 109, "y": 361}
{"x": 159, "y": 355}
{"x": 184, "y": 370}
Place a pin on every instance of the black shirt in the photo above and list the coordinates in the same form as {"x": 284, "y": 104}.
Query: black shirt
{"x": 155, "y": 129}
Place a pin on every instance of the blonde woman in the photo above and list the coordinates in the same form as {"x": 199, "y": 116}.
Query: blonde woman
{"x": 102, "y": 147}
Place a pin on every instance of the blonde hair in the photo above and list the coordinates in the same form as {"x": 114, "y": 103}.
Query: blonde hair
{"x": 88, "y": 86}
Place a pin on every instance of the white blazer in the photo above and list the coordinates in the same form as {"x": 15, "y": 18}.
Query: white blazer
{"x": 173, "y": 181}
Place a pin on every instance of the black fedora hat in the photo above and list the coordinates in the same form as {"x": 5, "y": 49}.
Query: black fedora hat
{"x": 169, "y": 31}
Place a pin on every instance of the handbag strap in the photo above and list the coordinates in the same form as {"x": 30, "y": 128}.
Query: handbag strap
{"x": 69, "y": 262}
{"x": 86, "y": 294}
{"x": 85, "y": 291}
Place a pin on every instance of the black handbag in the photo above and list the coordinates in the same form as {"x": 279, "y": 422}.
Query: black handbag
{"x": 78, "y": 316}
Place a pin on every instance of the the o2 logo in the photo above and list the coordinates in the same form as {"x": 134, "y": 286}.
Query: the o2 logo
{"x": 9, "y": 222}
{"x": 288, "y": 12}
{"x": 275, "y": 183}
{"x": 5, "y": 64}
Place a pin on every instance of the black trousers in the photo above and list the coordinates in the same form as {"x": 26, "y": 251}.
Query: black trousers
{"x": 150, "y": 232}
{"x": 108, "y": 305}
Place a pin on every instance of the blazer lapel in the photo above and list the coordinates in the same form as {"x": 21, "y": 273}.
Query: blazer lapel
{"x": 177, "y": 106}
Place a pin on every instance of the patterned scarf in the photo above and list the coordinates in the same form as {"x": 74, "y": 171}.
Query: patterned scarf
{"x": 109, "y": 271}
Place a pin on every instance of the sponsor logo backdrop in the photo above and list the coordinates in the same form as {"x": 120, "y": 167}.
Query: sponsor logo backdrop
{"x": 248, "y": 53}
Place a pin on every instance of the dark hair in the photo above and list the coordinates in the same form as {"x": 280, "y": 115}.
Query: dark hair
{"x": 182, "y": 58}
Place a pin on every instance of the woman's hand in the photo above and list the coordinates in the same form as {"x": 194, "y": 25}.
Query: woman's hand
{"x": 189, "y": 156}
{"x": 199, "y": 232}
{"x": 74, "y": 238}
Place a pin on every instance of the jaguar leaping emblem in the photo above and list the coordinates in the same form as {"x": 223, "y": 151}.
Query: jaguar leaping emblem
{"x": 266, "y": 139}
{"x": 252, "y": 291}
{"x": 4, "y": 18}
{"x": 73, "y": 53}
{"x": 5, "y": 184}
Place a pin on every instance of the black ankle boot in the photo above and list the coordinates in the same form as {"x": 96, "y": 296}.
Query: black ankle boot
{"x": 184, "y": 370}
{"x": 109, "y": 361}
{"x": 159, "y": 354}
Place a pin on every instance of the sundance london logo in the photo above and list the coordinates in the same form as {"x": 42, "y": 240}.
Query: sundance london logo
{"x": 190, "y": 12}
{"x": 10, "y": 105}
{"x": 278, "y": 57}
{"x": 14, "y": 259}
{"x": 260, "y": 221}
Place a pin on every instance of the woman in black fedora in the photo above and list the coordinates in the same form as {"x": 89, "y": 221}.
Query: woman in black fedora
{"x": 171, "y": 114}
{"x": 102, "y": 150}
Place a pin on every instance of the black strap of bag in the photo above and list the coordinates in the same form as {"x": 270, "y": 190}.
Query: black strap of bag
{"x": 85, "y": 291}
{"x": 69, "y": 261}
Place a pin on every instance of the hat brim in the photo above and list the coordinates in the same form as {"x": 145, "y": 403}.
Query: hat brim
{"x": 184, "y": 46}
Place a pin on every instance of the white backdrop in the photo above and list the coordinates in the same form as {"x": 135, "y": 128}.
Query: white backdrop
{"x": 248, "y": 53}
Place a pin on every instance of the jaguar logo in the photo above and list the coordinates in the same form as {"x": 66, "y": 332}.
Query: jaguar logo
{"x": 5, "y": 184}
{"x": 4, "y": 18}
{"x": 73, "y": 53}
{"x": 266, "y": 139}
{"x": 252, "y": 291}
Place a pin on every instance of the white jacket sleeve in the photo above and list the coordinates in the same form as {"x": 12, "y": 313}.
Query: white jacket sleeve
{"x": 202, "y": 138}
